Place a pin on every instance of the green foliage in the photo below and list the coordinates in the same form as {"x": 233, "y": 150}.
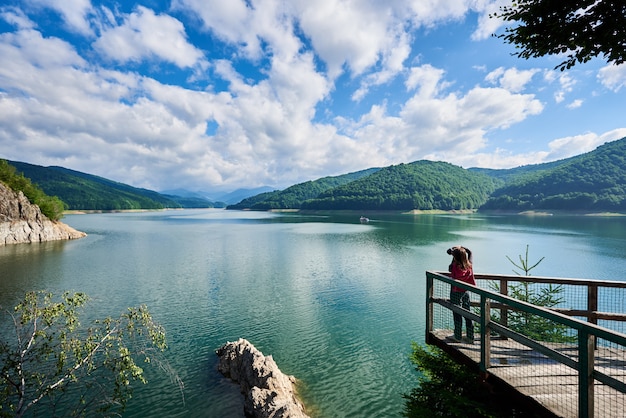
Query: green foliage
{"x": 56, "y": 366}
{"x": 424, "y": 185}
{"x": 51, "y": 206}
{"x": 252, "y": 201}
{"x": 86, "y": 192}
{"x": 449, "y": 389}
{"x": 524, "y": 265}
{"x": 293, "y": 197}
{"x": 595, "y": 181}
{"x": 582, "y": 29}
{"x": 533, "y": 326}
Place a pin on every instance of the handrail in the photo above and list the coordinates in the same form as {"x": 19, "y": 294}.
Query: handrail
{"x": 591, "y": 313}
{"x": 588, "y": 332}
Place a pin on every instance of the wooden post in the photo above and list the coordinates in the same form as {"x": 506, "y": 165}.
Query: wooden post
{"x": 586, "y": 400}
{"x": 429, "y": 306}
{"x": 485, "y": 334}
{"x": 504, "y": 313}
{"x": 592, "y": 303}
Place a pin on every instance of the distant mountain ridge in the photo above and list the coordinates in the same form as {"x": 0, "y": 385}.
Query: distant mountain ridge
{"x": 594, "y": 181}
{"x": 424, "y": 185}
{"x": 81, "y": 191}
{"x": 294, "y": 196}
{"x": 225, "y": 197}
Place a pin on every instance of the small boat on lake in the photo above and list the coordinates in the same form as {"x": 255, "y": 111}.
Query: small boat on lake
{"x": 364, "y": 220}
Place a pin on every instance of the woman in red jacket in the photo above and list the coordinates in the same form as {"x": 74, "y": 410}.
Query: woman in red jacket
{"x": 461, "y": 269}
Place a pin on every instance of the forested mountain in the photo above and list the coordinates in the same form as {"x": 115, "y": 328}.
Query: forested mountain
{"x": 595, "y": 181}
{"x": 589, "y": 182}
{"x": 80, "y": 191}
{"x": 424, "y": 185}
{"x": 507, "y": 175}
{"x": 293, "y": 197}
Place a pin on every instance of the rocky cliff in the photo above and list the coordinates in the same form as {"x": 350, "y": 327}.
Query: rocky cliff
{"x": 23, "y": 222}
{"x": 269, "y": 393}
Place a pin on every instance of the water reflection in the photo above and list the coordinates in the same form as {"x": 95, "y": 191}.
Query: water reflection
{"x": 336, "y": 302}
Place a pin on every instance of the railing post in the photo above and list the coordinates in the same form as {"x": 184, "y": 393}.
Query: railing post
{"x": 485, "y": 333}
{"x": 504, "y": 313}
{"x": 592, "y": 303}
{"x": 586, "y": 398}
{"x": 429, "y": 305}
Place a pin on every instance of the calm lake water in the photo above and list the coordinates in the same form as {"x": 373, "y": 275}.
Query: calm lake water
{"x": 335, "y": 302}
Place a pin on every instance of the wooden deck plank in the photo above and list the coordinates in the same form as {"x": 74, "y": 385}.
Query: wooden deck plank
{"x": 552, "y": 384}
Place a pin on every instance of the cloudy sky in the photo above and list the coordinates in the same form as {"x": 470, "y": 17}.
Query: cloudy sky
{"x": 216, "y": 95}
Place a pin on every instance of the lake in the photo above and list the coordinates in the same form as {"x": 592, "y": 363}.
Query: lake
{"x": 335, "y": 302}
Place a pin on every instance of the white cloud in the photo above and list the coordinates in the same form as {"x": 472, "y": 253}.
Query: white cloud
{"x": 565, "y": 81}
{"x": 575, "y": 104}
{"x": 613, "y": 77}
{"x": 230, "y": 21}
{"x": 16, "y": 17}
{"x": 75, "y": 13}
{"x": 278, "y": 125}
{"x": 426, "y": 79}
{"x": 558, "y": 149}
{"x": 343, "y": 34}
{"x": 145, "y": 35}
{"x": 511, "y": 79}
{"x": 579, "y": 144}
{"x": 488, "y": 25}
{"x": 434, "y": 125}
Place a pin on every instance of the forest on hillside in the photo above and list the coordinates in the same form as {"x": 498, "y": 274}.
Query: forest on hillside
{"x": 81, "y": 191}
{"x": 424, "y": 185}
{"x": 595, "y": 181}
{"x": 294, "y": 196}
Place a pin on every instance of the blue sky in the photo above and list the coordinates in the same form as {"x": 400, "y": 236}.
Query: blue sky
{"x": 213, "y": 95}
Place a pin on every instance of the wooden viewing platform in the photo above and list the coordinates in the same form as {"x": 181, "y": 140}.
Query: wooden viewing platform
{"x": 583, "y": 378}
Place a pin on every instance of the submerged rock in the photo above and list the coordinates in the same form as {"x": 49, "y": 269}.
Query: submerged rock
{"x": 269, "y": 393}
{"x": 23, "y": 222}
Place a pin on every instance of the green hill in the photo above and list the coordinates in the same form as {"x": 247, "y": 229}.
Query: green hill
{"x": 294, "y": 196}
{"x": 595, "y": 181}
{"x": 80, "y": 191}
{"x": 424, "y": 185}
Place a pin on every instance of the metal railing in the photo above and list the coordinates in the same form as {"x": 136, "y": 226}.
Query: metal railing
{"x": 581, "y": 345}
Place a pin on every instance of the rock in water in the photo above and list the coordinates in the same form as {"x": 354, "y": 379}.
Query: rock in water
{"x": 269, "y": 393}
{"x": 23, "y": 222}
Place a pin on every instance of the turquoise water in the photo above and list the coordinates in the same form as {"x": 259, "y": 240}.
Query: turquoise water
{"x": 335, "y": 302}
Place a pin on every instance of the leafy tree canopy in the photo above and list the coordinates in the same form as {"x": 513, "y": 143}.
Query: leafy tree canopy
{"x": 581, "y": 29}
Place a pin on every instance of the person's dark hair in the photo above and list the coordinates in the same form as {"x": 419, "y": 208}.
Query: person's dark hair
{"x": 461, "y": 256}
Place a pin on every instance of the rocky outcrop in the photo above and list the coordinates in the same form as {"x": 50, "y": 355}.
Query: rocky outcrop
{"x": 23, "y": 222}
{"x": 269, "y": 393}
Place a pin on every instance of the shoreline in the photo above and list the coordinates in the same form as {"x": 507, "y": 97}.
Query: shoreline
{"x": 414, "y": 212}
{"x": 91, "y": 211}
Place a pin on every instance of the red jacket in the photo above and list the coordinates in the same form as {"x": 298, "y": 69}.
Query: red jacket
{"x": 466, "y": 276}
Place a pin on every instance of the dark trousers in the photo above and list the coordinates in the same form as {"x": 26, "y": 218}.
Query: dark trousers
{"x": 461, "y": 299}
